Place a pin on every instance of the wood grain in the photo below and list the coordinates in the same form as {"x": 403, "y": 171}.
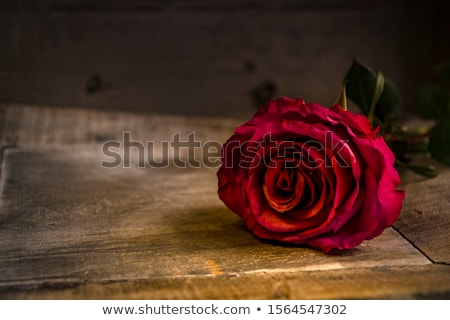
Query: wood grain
{"x": 425, "y": 218}
{"x": 207, "y": 57}
{"x": 37, "y": 127}
{"x": 408, "y": 282}
{"x": 64, "y": 218}
{"x": 73, "y": 229}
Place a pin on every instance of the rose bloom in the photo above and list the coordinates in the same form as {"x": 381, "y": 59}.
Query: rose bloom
{"x": 301, "y": 173}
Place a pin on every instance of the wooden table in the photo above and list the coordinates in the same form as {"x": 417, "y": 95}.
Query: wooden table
{"x": 71, "y": 229}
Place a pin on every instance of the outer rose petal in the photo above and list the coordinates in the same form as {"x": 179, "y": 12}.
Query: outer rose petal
{"x": 365, "y": 197}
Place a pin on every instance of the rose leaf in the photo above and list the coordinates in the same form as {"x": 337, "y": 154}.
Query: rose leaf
{"x": 423, "y": 169}
{"x": 361, "y": 81}
{"x": 342, "y": 99}
{"x": 377, "y": 91}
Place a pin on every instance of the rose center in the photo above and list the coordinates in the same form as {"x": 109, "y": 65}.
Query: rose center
{"x": 283, "y": 188}
{"x": 284, "y": 181}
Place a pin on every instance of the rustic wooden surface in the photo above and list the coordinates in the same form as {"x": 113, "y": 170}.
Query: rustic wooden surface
{"x": 136, "y": 54}
{"x": 425, "y": 219}
{"x": 70, "y": 229}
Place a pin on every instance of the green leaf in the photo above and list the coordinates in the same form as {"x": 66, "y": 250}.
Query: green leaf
{"x": 443, "y": 71}
{"x": 361, "y": 81}
{"x": 390, "y": 102}
{"x": 342, "y": 99}
{"x": 423, "y": 169}
{"x": 377, "y": 90}
{"x": 419, "y": 168}
{"x": 439, "y": 144}
{"x": 433, "y": 102}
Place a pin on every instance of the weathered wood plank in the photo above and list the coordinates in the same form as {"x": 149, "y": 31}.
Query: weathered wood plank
{"x": 64, "y": 218}
{"x": 425, "y": 218}
{"x": 35, "y": 127}
{"x": 74, "y": 229}
{"x": 410, "y": 282}
{"x": 206, "y": 57}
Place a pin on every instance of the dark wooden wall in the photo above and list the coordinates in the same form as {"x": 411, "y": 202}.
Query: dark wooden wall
{"x": 209, "y": 57}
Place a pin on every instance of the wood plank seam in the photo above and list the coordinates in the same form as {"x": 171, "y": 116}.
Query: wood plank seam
{"x": 417, "y": 247}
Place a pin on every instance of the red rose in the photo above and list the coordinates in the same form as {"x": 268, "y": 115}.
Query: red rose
{"x": 301, "y": 173}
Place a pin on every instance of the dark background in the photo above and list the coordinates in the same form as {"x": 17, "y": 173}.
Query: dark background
{"x": 214, "y": 58}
